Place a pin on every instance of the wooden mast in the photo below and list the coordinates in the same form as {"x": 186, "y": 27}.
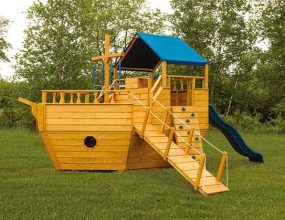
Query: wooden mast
{"x": 106, "y": 58}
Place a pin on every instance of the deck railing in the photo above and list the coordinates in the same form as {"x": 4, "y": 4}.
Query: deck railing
{"x": 79, "y": 96}
{"x": 182, "y": 83}
{"x": 186, "y": 85}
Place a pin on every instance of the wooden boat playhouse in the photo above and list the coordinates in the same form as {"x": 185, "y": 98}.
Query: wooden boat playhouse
{"x": 134, "y": 123}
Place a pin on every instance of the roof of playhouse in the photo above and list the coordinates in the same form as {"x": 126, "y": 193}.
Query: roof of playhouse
{"x": 146, "y": 51}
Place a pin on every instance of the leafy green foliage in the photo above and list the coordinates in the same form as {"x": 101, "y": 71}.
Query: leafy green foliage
{"x": 4, "y": 45}
{"x": 13, "y": 113}
{"x": 62, "y": 36}
{"x": 243, "y": 77}
{"x": 217, "y": 29}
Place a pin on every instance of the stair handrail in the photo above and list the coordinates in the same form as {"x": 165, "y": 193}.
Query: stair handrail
{"x": 165, "y": 124}
{"x": 224, "y": 159}
{"x": 156, "y": 84}
{"x": 187, "y": 126}
{"x": 202, "y": 164}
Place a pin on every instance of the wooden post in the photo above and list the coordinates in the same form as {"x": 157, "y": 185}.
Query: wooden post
{"x": 206, "y": 76}
{"x": 78, "y": 97}
{"x": 71, "y": 98}
{"x": 174, "y": 85}
{"x": 44, "y": 97}
{"x": 144, "y": 122}
{"x": 168, "y": 145}
{"x": 61, "y": 97}
{"x": 87, "y": 98}
{"x": 106, "y": 68}
{"x": 188, "y": 92}
{"x": 222, "y": 166}
{"x": 189, "y": 140}
{"x": 54, "y": 97}
{"x": 95, "y": 97}
{"x": 165, "y": 121}
{"x": 150, "y": 94}
{"x": 199, "y": 172}
{"x": 181, "y": 85}
{"x": 193, "y": 91}
{"x": 164, "y": 70}
{"x": 115, "y": 78}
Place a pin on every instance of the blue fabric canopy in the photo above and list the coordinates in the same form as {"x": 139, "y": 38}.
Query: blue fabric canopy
{"x": 146, "y": 51}
{"x": 172, "y": 49}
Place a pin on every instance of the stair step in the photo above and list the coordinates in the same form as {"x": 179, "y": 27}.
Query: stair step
{"x": 208, "y": 181}
{"x": 213, "y": 189}
{"x": 162, "y": 146}
{"x": 175, "y": 152}
{"x": 193, "y": 173}
{"x": 181, "y": 159}
{"x": 154, "y": 134}
{"x": 158, "y": 139}
{"x": 187, "y": 166}
{"x": 184, "y": 164}
{"x": 149, "y": 127}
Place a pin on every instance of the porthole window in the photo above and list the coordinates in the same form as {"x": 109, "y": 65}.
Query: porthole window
{"x": 90, "y": 141}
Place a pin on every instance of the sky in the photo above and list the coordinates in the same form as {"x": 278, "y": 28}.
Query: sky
{"x": 15, "y": 11}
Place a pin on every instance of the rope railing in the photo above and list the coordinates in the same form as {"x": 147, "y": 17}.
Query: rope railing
{"x": 200, "y": 173}
{"x": 165, "y": 124}
{"x": 224, "y": 154}
{"x": 187, "y": 126}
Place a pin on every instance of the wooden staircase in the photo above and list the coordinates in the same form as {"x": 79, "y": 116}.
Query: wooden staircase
{"x": 186, "y": 117}
{"x": 192, "y": 170}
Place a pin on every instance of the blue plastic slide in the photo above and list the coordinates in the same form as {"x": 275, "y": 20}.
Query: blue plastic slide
{"x": 233, "y": 136}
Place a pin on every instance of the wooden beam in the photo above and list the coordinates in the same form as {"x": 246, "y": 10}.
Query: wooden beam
{"x": 156, "y": 66}
{"x": 62, "y": 95}
{"x": 199, "y": 172}
{"x": 107, "y": 56}
{"x": 221, "y": 166}
{"x": 164, "y": 69}
{"x": 128, "y": 49}
{"x": 170, "y": 138}
{"x": 136, "y": 69}
{"x": 165, "y": 121}
{"x": 193, "y": 87}
{"x": 188, "y": 92}
{"x": 106, "y": 68}
{"x": 144, "y": 123}
{"x": 189, "y": 140}
{"x": 206, "y": 76}
{"x": 44, "y": 97}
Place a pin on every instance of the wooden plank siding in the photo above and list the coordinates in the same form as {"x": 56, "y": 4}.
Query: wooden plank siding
{"x": 68, "y": 125}
{"x": 141, "y": 155}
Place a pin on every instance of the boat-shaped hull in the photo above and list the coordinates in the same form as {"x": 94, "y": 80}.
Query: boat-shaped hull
{"x": 65, "y": 129}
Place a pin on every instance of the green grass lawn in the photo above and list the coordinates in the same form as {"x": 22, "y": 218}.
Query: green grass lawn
{"x": 30, "y": 188}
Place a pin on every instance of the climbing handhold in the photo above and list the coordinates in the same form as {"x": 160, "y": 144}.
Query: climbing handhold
{"x": 193, "y": 157}
{"x": 196, "y": 138}
{"x": 183, "y": 109}
{"x": 193, "y": 114}
{"x": 181, "y": 127}
{"x": 188, "y": 132}
{"x": 187, "y": 120}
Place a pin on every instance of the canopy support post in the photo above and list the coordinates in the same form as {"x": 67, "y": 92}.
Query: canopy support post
{"x": 206, "y": 76}
{"x": 163, "y": 73}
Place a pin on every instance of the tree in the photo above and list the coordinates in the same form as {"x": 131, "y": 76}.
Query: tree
{"x": 270, "y": 73}
{"x": 4, "y": 45}
{"x": 63, "y": 35}
{"x": 218, "y": 30}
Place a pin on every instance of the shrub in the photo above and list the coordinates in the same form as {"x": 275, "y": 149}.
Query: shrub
{"x": 252, "y": 123}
